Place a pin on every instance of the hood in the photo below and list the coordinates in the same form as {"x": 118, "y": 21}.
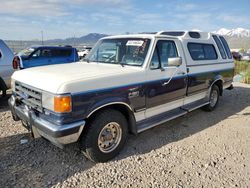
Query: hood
{"x": 53, "y": 77}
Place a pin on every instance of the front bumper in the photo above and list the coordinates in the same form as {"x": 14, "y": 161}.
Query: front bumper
{"x": 59, "y": 135}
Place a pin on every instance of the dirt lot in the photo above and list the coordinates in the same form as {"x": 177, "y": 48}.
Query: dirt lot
{"x": 201, "y": 149}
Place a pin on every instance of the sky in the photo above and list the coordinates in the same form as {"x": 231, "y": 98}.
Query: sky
{"x": 27, "y": 19}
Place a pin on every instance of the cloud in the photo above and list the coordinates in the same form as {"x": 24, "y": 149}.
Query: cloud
{"x": 148, "y": 19}
{"x": 29, "y": 7}
{"x": 239, "y": 20}
{"x": 108, "y": 19}
{"x": 103, "y": 2}
{"x": 186, "y": 7}
{"x": 47, "y": 8}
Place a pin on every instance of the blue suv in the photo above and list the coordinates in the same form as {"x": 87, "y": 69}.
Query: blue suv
{"x": 44, "y": 55}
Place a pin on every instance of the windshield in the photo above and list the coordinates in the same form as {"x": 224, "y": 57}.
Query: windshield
{"x": 26, "y": 52}
{"x": 125, "y": 51}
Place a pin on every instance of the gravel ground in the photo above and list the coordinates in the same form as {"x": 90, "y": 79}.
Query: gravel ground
{"x": 201, "y": 149}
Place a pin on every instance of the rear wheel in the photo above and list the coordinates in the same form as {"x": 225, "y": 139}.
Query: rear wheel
{"x": 105, "y": 136}
{"x": 213, "y": 99}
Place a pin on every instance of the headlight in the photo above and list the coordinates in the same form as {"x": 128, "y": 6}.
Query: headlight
{"x": 57, "y": 103}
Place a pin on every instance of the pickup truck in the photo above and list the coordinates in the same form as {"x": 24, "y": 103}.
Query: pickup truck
{"x": 6, "y": 70}
{"x": 127, "y": 84}
{"x": 44, "y": 55}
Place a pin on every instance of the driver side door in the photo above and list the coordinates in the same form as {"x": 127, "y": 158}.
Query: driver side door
{"x": 38, "y": 58}
{"x": 167, "y": 84}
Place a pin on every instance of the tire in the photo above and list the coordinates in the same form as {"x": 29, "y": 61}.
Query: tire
{"x": 105, "y": 136}
{"x": 3, "y": 88}
{"x": 3, "y": 93}
{"x": 213, "y": 99}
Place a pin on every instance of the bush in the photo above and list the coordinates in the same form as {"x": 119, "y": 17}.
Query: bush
{"x": 243, "y": 68}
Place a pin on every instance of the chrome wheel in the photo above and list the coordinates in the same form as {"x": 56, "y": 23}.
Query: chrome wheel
{"x": 213, "y": 98}
{"x": 109, "y": 137}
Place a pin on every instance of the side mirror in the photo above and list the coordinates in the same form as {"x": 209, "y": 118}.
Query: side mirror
{"x": 174, "y": 61}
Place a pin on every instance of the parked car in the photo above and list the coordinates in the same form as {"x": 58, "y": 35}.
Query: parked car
{"x": 236, "y": 56}
{"x": 147, "y": 80}
{"x": 44, "y": 55}
{"x": 245, "y": 57}
{"x": 83, "y": 52}
{"x": 6, "y": 70}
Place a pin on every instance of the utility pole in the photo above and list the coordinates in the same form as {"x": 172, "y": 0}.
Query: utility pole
{"x": 42, "y": 36}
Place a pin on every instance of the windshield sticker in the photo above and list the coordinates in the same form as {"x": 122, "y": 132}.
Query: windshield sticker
{"x": 135, "y": 43}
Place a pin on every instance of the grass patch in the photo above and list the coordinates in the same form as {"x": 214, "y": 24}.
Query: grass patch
{"x": 243, "y": 68}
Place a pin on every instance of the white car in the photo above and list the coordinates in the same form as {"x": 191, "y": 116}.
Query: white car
{"x": 128, "y": 84}
{"x": 245, "y": 57}
{"x": 6, "y": 69}
{"x": 82, "y": 53}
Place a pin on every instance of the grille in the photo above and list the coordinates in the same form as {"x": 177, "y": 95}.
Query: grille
{"x": 29, "y": 96}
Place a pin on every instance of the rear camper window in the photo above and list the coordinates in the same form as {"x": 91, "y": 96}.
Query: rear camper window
{"x": 0, "y": 54}
{"x": 200, "y": 51}
{"x": 219, "y": 44}
{"x": 224, "y": 42}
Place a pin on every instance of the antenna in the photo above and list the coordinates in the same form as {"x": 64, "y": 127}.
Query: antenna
{"x": 42, "y": 37}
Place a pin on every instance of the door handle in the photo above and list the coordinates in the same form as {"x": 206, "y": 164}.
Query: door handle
{"x": 181, "y": 73}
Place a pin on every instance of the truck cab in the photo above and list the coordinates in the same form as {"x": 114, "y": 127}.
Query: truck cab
{"x": 126, "y": 84}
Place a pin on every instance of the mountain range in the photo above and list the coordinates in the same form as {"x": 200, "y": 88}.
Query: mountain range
{"x": 90, "y": 39}
{"x": 238, "y": 32}
{"x": 236, "y": 38}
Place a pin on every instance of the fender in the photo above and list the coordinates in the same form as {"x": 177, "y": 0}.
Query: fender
{"x": 108, "y": 102}
{"x": 2, "y": 85}
{"x": 113, "y": 101}
{"x": 216, "y": 78}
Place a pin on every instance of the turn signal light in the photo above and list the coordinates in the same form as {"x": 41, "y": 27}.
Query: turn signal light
{"x": 62, "y": 104}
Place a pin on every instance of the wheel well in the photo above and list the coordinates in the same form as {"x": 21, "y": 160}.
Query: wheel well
{"x": 2, "y": 84}
{"x": 220, "y": 86}
{"x": 128, "y": 114}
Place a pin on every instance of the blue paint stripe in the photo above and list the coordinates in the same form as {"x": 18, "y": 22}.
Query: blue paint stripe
{"x": 143, "y": 83}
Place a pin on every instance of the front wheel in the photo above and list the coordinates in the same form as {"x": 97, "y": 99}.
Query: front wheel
{"x": 105, "y": 136}
{"x": 213, "y": 99}
{"x": 2, "y": 92}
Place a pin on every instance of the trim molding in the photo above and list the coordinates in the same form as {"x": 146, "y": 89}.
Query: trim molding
{"x": 108, "y": 104}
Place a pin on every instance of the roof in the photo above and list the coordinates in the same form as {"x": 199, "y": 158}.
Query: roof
{"x": 42, "y": 46}
{"x": 169, "y": 34}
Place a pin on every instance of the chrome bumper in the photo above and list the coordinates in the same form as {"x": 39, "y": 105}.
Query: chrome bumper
{"x": 59, "y": 135}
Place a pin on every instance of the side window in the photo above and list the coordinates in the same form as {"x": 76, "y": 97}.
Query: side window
{"x": 37, "y": 53}
{"x": 209, "y": 52}
{"x": 46, "y": 53}
{"x": 200, "y": 51}
{"x": 219, "y": 44}
{"x": 61, "y": 52}
{"x": 0, "y": 54}
{"x": 196, "y": 51}
{"x": 224, "y": 42}
{"x": 163, "y": 50}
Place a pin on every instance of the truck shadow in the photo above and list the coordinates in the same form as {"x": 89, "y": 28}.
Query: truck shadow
{"x": 41, "y": 164}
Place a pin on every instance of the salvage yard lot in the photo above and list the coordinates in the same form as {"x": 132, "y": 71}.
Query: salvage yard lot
{"x": 210, "y": 149}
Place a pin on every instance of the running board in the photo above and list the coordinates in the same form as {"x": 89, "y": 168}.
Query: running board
{"x": 195, "y": 105}
{"x": 159, "y": 119}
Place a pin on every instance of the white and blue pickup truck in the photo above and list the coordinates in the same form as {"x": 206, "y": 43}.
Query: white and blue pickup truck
{"x": 127, "y": 84}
